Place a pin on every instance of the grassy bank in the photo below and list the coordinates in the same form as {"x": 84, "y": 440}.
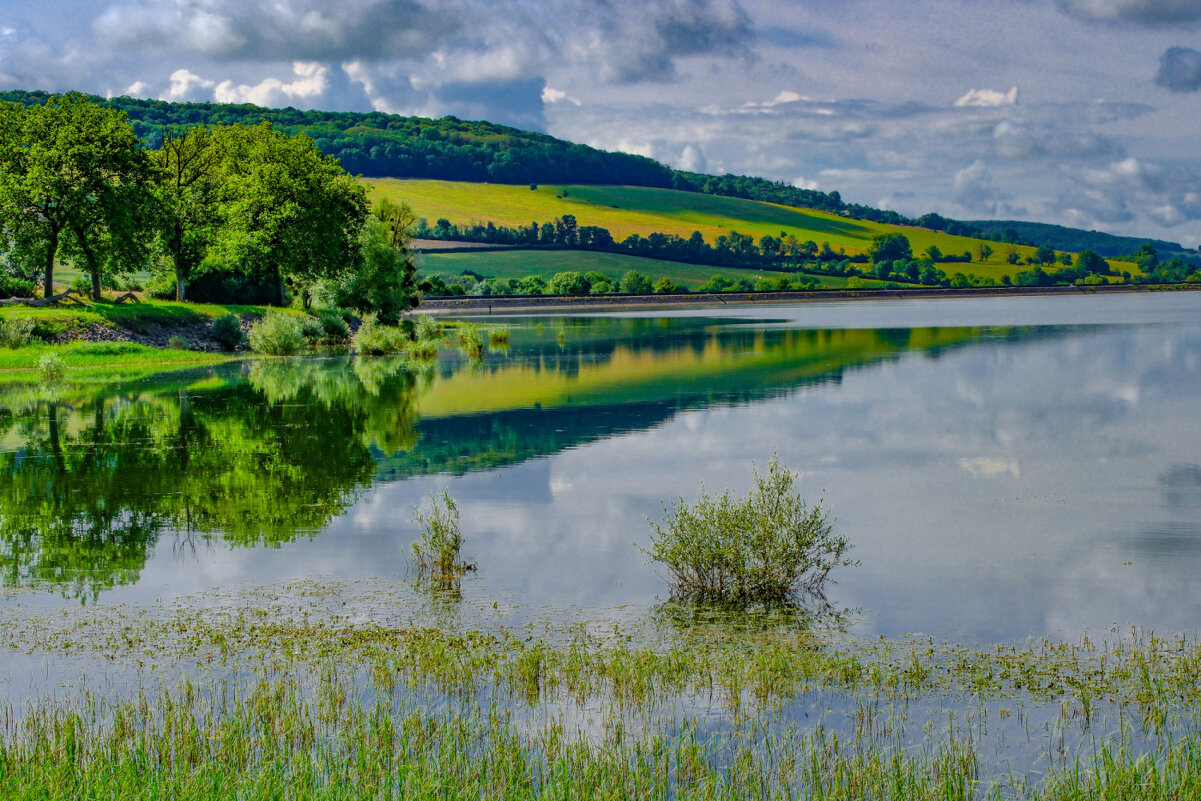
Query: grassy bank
{"x": 383, "y": 690}
{"x": 86, "y": 357}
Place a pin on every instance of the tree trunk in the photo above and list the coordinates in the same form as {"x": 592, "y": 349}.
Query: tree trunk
{"x": 283, "y": 292}
{"x": 51, "y": 250}
{"x": 181, "y": 277}
{"x": 95, "y": 284}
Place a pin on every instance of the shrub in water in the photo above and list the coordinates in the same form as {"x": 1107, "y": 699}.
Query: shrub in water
{"x": 51, "y": 368}
{"x": 277, "y": 334}
{"x": 471, "y": 340}
{"x": 428, "y": 329}
{"x": 425, "y": 350}
{"x": 498, "y": 336}
{"x": 15, "y": 331}
{"x": 227, "y": 331}
{"x": 375, "y": 339}
{"x": 768, "y": 548}
{"x": 437, "y": 552}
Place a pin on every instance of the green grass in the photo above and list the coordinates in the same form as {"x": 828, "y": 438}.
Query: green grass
{"x": 520, "y": 263}
{"x": 626, "y": 210}
{"x": 73, "y": 315}
{"x": 95, "y": 355}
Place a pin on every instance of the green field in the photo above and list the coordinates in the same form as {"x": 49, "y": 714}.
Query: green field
{"x": 626, "y": 210}
{"x": 520, "y": 263}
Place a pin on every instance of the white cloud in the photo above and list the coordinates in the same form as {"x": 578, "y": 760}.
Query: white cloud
{"x": 551, "y": 96}
{"x": 137, "y": 89}
{"x": 186, "y": 85}
{"x": 989, "y": 98}
{"x": 311, "y": 81}
{"x": 800, "y": 182}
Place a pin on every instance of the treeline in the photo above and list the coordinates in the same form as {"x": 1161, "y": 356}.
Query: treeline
{"x": 379, "y": 144}
{"x": 227, "y": 213}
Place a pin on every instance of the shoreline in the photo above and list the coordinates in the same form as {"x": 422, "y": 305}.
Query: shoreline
{"x": 507, "y": 304}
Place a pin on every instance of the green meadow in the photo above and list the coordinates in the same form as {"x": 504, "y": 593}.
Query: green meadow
{"x": 626, "y": 210}
{"x": 520, "y": 263}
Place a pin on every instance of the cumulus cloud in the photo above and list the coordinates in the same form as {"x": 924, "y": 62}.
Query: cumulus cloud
{"x": 989, "y": 98}
{"x": 311, "y": 80}
{"x": 1154, "y": 12}
{"x": 187, "y": 85}
{"x": 1180, "y": 70}
{"x": 550, "y": 95}
{"x": 974, "y": 187}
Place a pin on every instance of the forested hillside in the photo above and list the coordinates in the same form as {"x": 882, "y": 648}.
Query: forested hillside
{"x": 1077, "y": 239}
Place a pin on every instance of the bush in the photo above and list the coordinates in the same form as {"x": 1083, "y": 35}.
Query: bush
{"x": 227, "y": 330}
{"x": 498, "y": 337}
{"x": 333, "y": 326}
{"x": 437, "y": 552}
{"x": 375, "y": 339}
{"x": 635, "y": 283}
{"x": 13, "y": 287}
{"x": 277, "y": 334}
{"x": 15, "y": 331}
{"x": 768, "y": 548}
{"x": 51, "y": 368}
{"x": 471, "y": 340}
{"x": 312, "y": 330}
{"x": 666, "y": 286}
{"x": 428, "y": 329}
{"x": 423, "y": 350}
{"x": 177, "y": 342}
{"x": 162, "y": 287}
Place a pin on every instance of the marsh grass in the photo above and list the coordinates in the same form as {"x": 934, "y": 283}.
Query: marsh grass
{"x": 428, "y": 329}
{"x": 498, "y": 337}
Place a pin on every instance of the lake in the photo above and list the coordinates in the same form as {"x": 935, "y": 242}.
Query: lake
{"x": 1006, "y": 468}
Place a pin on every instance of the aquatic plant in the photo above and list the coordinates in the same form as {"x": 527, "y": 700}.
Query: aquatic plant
{"x": 437, "y": 552}
{"x": 277, "y": 334}
{"x": 375, "y": 339}
{"x": 471, "y": 340}
{"x": 767, "y": 548}
{"x": 498, "y": 337}
{"x": 428, "y": 329}
{"x": 51, "y": 369}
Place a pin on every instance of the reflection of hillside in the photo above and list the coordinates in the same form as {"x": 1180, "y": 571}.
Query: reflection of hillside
{"x": 541, "y": 403}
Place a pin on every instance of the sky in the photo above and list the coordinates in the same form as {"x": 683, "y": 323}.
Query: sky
{"x": 1079, "y": 112}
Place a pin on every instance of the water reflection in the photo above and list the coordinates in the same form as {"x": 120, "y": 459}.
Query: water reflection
{"x": 997, "y": 481}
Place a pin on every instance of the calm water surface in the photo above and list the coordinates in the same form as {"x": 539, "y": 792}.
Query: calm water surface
{"x": 1006, "y": 467}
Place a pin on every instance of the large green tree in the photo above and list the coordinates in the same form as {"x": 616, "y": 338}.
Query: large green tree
{"x": 188, "y": 190}
{"x": 73, "y": 173}
{"x": 290, "y": 213}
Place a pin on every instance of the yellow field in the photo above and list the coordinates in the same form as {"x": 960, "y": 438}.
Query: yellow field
{"x": 626, "y": 210}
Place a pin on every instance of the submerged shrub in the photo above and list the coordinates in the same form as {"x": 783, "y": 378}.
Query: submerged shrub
{"x": 51, "y": 369}
{"x": 227, "y": 330}
{"x": 16, "y": 331}
{"x": 437, "y": 552}
{"x": 277, "y": 334}
{"x": 498, "y": 336}
{"x": 376, "y": 339}
{"x": 768, "y": 548}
